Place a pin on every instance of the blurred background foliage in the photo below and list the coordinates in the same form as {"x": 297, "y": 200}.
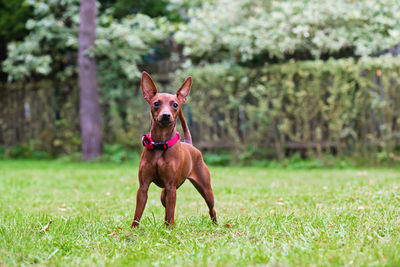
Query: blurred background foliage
{"x": 272, "y": 79}
{"x": 249, "y": 31}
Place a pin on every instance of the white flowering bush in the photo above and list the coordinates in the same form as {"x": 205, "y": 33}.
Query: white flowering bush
{"x": 52, "y": 44}
{"x": 241, "y": 30}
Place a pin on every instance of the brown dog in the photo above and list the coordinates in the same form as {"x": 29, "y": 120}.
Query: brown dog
{"x": 166, "y": 161}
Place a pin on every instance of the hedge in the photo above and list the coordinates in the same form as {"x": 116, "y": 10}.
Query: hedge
{"x": 335, "y": 106}
{"x": 343, "y": 107}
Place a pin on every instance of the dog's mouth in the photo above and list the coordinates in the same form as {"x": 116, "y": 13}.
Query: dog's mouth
{"x": 165, "y": 122}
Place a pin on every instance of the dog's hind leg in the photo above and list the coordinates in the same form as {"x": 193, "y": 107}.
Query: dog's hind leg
{"x": 163, "y": 197}
{"x": 163, "y": 201}
{"x": 201, "y": 180}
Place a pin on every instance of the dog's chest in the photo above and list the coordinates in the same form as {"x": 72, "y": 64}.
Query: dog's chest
{"x": 159, "y": 161}
{"x": 167, "y": 169}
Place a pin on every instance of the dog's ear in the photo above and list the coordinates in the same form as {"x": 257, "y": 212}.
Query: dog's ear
{"x": 184, "y": 90}
{"x": 149, "y": 89}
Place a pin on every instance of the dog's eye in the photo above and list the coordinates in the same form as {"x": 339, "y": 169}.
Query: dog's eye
{"x": 156, "y": 104}
{"x": 175, "y": 105}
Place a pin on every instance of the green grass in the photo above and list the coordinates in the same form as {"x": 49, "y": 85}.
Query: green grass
{"x": 266, "y": 217}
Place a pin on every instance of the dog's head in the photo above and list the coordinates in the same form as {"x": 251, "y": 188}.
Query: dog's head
{"x": 164, "y": 107}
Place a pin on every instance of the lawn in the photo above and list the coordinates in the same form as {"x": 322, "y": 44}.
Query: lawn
{"x": 274, "y": 217}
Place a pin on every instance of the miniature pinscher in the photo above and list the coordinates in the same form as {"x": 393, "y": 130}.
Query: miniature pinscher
{"x": 165, "y": 160}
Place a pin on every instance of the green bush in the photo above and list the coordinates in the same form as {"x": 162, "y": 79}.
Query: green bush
{"x": 2, "y": 152}
{"x": 222, "y": 159}
{"x": 342, "y": 106}
{"x": 297, "y": 162}
{"x": 24, "y": 150}
{"x": 118, "y": 154}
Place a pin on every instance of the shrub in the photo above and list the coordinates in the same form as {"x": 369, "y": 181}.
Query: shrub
{"x": 245, "y": 30}
{"x": 335, "y": 106}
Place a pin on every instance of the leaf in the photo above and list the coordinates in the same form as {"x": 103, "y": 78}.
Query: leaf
{"x": 46, "y": 228}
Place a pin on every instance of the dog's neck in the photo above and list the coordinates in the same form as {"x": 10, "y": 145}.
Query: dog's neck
{"x": 160, "y": 133}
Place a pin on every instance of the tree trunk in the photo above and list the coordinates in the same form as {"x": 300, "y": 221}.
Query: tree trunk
{"x": 89, "y": 99}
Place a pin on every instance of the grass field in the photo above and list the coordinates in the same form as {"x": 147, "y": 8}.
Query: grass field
{"x": 274, "y": 217}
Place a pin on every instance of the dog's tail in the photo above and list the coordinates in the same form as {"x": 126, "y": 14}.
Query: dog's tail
{"x": 186, "y": 132}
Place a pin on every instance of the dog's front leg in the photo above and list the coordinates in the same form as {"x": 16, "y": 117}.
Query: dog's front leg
{"x": 170, "y": 202}
{"x": 141, "y": 199}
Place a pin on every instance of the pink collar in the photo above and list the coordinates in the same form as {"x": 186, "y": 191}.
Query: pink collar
{"x": 150, "y": 144}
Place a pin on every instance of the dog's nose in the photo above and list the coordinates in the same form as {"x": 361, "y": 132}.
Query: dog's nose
{"x": 166, "y": 116}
